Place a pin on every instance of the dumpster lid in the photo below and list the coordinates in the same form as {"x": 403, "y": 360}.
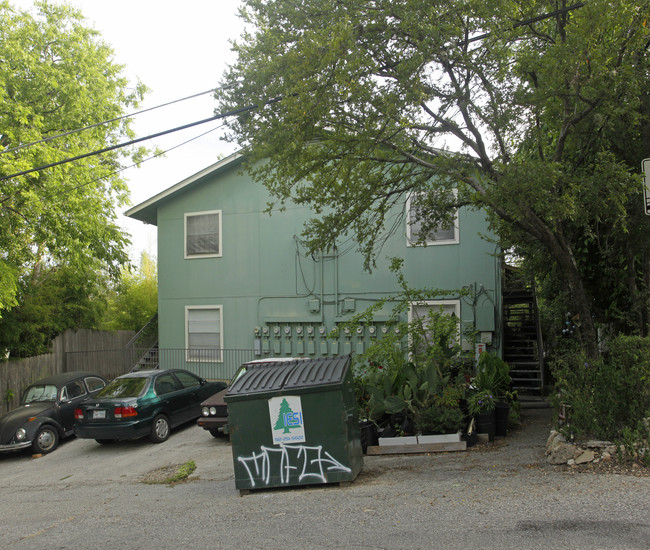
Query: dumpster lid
{"x": 289, "y": 374}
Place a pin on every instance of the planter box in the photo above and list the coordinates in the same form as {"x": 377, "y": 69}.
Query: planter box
{"x": 390, "y": 441}
{"x": 418, "y": 444}
{"x": 438, "y": 438}
{"x": 417, "y": 449}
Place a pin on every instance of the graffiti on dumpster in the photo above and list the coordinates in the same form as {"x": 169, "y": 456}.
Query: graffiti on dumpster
{"x": 308, "y": 463}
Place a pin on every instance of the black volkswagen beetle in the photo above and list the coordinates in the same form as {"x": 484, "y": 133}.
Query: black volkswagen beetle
{"x": 46, "y": 413}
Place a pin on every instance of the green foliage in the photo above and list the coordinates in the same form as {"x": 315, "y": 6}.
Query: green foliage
{"x": 134, "y": 300}
{"x": 420, "y": 379}
{"x": 9, "y": 395}
{"x": 492, "y": 384}
{"x": 481, "y": 401}
{"x": 547, "y": 121}
{"x": 57, "y": 75}
{"x": 441, "y": 413}
{"x": 180, "y": 474}
{"x": 635, "y": 443}
{"x": 493, "y": 376}
{"x": 52, "y": 299}
{"x": 607, "y": 396}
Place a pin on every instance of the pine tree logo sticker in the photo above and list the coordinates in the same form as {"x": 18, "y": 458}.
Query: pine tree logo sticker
{"x": 285, "y": 413}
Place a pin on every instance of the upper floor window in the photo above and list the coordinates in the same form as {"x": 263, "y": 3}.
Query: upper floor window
{"x": 436, "y": 236}
{"x": 203, "y": 234}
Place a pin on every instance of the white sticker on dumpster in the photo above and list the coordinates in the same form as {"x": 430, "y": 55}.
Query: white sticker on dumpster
{"x": 285, "y": 413}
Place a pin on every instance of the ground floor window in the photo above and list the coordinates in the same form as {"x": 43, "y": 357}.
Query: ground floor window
{"x": 203, "y": 333}
{"x": 419, "y": 311}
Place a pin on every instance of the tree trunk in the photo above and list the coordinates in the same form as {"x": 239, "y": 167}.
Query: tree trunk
{"x": 580, "y": 298}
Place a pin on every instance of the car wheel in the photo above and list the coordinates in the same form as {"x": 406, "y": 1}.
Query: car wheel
{"x": 46, "y": 440}
{"x": 160, "y": 429}
{"x": 104, "y": 441}
{"x": 214, "y": 432}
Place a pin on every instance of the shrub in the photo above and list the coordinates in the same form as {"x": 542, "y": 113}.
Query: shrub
{"x": 607, "y": 397}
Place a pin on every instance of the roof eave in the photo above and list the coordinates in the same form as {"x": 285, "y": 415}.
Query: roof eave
{"x": 147, "y": 211}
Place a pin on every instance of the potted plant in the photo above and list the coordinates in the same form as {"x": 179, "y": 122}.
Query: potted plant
{"x": 493, "y": 376}
{"x": 440, "y": 415}
{"x": 408, "y": 380}
{"x": 481, "y": 405}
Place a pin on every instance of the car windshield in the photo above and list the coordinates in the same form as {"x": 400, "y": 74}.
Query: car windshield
{"x": 124, "y": 387}
{"x": 42, "y": 392}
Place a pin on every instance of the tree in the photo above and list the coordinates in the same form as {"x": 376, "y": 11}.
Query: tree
{"x": 57, "y": 76}
{"x": 134, "y": 300}
{"x": 496, "y": 106}
{"x": 51, "y": 300}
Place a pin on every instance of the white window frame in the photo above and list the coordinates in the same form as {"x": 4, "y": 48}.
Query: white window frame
{"x": 218, "y": 355}
{"x": 410, "y": 241}
{"x": 436, "y": 304}
{"x": 207, "y": 255}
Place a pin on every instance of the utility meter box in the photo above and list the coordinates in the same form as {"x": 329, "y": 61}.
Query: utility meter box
{"x": 294, "y": 423}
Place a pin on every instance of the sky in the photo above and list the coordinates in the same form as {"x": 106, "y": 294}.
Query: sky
{"x": 177, "y": 49}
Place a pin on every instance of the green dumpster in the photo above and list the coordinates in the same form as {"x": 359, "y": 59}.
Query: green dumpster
{"x": 294, "y": 423}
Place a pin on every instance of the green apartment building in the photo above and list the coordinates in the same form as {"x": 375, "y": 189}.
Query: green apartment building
{"x": 234, "y": 277}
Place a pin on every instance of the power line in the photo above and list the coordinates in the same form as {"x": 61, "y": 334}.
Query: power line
{"x": 138, "y": 140}
{"x": 216, "y": 117}
{"x": 50, "y": 138}
{"x": 144, "y": 160}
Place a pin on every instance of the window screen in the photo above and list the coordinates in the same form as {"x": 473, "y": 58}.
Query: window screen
{"x": 204, "y": 334}
{"x": 202, "y": 234}
{"x": 439, "y": 235}
{"x": 420, "y": 312}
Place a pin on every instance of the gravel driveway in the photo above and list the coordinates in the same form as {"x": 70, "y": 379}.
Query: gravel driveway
{"x": 502, "y": 495}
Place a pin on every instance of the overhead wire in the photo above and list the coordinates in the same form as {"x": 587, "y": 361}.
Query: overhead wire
{"x": 76, "y": 130}
{"x": 161, "y": 153}
{"x": 215, "y": 117}
{"x": 133, "y": 141}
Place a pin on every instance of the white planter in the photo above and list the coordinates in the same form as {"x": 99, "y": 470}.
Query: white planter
{"x": 406, "y": 440}
{"x": 439, "y": 438}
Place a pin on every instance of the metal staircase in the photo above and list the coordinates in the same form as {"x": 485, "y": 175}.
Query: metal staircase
{"x": 522, "y": 338}
{"x": 149, "y": 359}
{"x": 143, "y": 347}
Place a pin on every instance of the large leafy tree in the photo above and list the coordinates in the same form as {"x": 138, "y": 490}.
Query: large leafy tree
{"x": 514, "y": 105}
{"x": 57, "y": 75}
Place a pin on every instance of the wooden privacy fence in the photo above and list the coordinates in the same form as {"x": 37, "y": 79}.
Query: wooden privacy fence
{"x": 17, "y": 374}
{"x": 210, "y": 364}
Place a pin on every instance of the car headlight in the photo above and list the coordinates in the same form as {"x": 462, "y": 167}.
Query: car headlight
{"x": 213, "y": 411}
{"x": 205, "y": 411}
{"x": 21, "y": 434}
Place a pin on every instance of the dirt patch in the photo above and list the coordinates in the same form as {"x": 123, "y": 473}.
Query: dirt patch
{"x": 612, "y": 467}
{"x": 169, "y": 475}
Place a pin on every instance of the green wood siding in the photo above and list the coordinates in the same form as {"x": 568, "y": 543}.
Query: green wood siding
{"x": 264, "y": 279}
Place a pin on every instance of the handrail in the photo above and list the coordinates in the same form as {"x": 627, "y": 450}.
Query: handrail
{"x": 141, "y": 332}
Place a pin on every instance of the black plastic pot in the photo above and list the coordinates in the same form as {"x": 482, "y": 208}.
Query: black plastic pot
{"x": 369, "y": 436}
{"x": 501, "y": 419}
{"x": 486, "y": 424}
{"x": 471, "y": 439}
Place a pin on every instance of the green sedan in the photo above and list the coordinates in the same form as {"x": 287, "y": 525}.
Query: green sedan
{"x": 143, "y": 403}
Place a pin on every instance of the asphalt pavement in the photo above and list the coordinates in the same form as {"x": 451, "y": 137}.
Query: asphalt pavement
{"x": 500, "y": 495}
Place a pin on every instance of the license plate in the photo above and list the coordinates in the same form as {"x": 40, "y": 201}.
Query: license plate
{"x": 99, "y": 414}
